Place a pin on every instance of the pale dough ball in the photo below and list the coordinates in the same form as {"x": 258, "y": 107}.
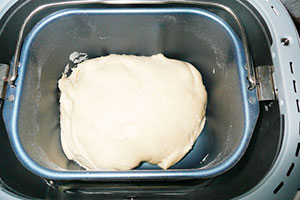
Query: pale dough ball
{"x": 118, "y": 111}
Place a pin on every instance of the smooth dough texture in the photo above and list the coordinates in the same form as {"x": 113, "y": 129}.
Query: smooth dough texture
{"x": 119, "y": 110}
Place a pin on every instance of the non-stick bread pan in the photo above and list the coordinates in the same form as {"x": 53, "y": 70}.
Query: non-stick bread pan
{"x": 189, "y": 34}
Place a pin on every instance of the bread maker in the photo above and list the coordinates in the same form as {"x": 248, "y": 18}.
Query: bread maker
{"x": 246, "y": 50}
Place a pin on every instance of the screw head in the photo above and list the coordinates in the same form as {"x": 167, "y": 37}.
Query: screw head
{"x": 285, "y": 41}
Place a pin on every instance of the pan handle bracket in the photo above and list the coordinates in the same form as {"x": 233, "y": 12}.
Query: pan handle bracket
{"x": 265, "y": 83}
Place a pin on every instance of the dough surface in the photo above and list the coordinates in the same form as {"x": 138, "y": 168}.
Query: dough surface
{"x": 119, "y": 110}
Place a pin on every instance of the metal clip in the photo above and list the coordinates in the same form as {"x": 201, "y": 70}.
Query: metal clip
{"x": 4, "y": 69}
{"x": 265, "y": 83}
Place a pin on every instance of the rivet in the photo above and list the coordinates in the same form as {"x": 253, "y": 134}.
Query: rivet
{"x": 11, "y": 98}
{"x": 252, "y": 100}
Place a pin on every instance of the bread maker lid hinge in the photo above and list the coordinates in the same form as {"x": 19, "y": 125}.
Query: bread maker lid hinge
{"x": 265, "y": 83}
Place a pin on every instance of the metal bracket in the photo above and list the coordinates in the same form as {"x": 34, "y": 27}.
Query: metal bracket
{"x": 4, "y": 69}
{"x": 265, "y": 83}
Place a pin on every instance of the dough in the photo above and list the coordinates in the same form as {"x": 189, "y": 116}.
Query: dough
{"x": 119, "y": 110}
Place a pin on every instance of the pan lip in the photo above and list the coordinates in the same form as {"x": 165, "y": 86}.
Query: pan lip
{"x": 11, "y": 109}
